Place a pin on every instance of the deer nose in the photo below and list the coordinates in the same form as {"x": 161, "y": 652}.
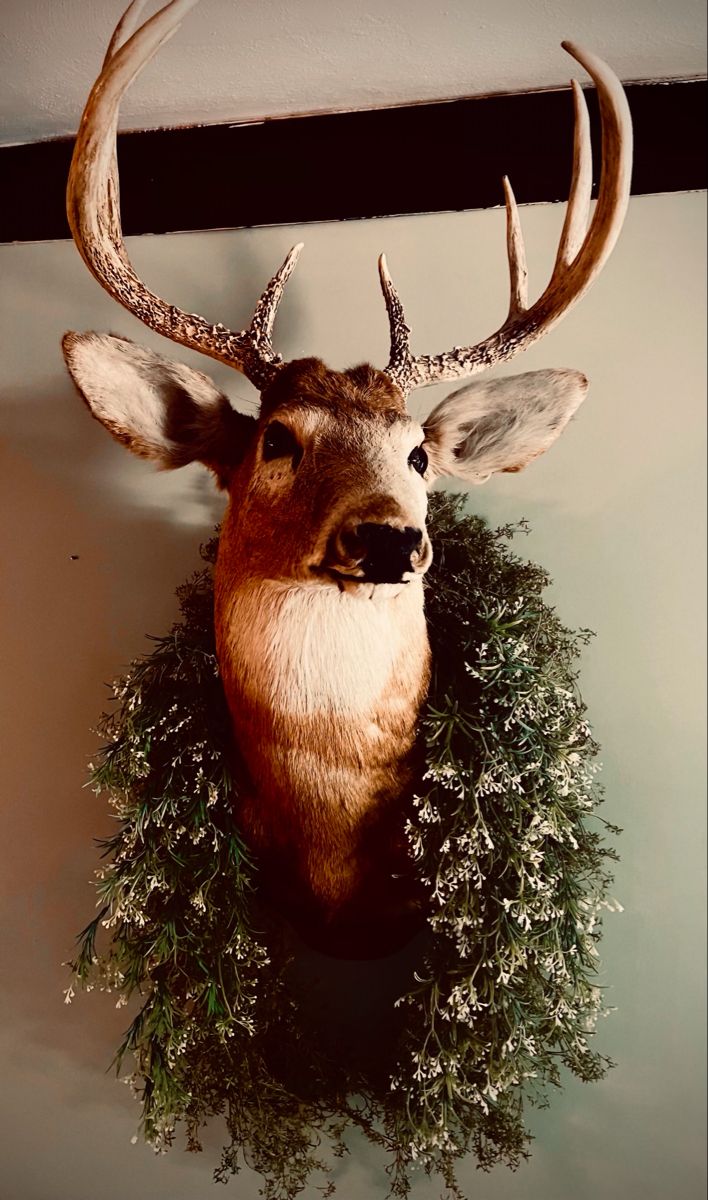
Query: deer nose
{"x": 384, "y": 551}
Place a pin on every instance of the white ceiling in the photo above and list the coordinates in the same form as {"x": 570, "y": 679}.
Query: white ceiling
{"x": 235, "y": 61}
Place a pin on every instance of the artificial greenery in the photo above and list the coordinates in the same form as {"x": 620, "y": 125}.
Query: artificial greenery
{"x": 505, "y": 991}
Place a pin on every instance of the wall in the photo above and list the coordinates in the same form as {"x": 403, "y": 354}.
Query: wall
{"x": 617, "y": 512}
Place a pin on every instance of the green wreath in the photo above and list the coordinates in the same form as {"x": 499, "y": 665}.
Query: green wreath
{"x": 504, "y": 991}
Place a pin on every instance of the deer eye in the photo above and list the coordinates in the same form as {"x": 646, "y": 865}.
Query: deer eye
{"x": 280, "y": 442}
{"x": 418, "y": 460}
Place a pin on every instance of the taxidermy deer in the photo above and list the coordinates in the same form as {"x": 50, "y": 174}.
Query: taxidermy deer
{"x": 320, "y": 629}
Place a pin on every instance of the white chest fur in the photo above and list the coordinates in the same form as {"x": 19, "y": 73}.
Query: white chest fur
{"x": 308, "y": 649}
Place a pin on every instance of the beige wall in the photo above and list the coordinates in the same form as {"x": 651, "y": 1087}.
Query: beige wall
{"x": 617, "y": 511}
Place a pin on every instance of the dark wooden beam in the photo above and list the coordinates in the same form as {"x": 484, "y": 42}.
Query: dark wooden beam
{"x": 417, "y": 158}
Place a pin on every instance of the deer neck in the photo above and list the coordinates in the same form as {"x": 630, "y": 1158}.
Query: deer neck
{"x": 324, "y": 689}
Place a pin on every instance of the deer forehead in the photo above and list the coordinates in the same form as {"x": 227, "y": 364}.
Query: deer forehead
{"x": 363, "y": 388}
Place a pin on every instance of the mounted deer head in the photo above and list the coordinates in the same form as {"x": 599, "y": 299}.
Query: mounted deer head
{"x": 319, "y": 617}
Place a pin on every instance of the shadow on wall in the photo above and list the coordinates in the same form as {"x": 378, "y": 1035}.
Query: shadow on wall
{"x": 77, "y": 454}
{"x": 93, "y": 553}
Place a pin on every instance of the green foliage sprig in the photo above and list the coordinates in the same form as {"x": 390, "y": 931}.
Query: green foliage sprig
{"x": 506, "y": 844}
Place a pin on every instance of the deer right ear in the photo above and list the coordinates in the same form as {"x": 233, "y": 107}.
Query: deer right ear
{"x": 159, "y": 409}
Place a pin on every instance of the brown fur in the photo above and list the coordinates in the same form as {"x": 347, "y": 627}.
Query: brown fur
{"x": 363, "y": 389}
{"x": 325, "y": 809}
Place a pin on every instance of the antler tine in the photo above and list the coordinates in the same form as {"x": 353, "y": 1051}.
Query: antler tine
{"x": 93, "y": 210}
{"x": 582, "y": 252}
{"x": 616, "y": 173}
{"x": 516, "y": 254}
{"x": 578, "y": 210}
{"x": 576, "y": 217}
{"x": 400, "y": 361}
{"x": 261, "y": 327}
{"x": 124, "y": 29}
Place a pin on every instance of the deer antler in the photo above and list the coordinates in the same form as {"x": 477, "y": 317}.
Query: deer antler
{"x": 582, "y": 252}
{"x": 93, "y": 210}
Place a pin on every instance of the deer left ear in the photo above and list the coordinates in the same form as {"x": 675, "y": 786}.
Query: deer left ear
{"x": 501, "y": 424}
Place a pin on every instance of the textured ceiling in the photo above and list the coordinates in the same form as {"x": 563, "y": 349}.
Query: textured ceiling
{"x": 239, "y": 61}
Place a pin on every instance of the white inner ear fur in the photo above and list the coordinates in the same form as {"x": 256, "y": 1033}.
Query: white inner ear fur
{"x": 160, "y": 409}
{"x": 501, "y": 424}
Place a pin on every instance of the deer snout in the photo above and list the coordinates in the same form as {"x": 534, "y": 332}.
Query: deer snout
{"x": 384, "y": 553}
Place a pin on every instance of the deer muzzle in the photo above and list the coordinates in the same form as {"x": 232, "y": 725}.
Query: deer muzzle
{"x": 378, "y": 552}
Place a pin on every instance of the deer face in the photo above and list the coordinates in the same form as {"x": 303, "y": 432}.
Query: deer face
{"x": 332, "y": 489}
{"x": 329, "y": 484}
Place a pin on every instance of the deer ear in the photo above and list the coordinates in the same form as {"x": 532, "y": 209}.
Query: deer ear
{"x": 501, "y": 424}
{"x": 161, "y": 410}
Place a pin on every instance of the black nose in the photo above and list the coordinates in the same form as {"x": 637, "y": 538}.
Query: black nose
{"x": 387, "y": 550}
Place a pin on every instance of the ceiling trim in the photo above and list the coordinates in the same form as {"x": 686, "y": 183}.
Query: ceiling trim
{"x": 439, "y": 157}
